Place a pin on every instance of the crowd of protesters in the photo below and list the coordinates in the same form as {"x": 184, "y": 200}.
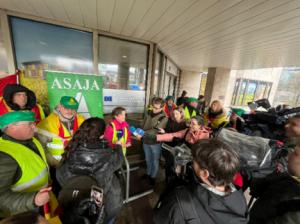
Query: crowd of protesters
{"x": 55, "y": 159}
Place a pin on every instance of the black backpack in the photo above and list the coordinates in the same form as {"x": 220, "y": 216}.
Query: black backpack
{"x": 75, "y": 201}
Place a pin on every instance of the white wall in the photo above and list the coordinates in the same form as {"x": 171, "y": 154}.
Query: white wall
{"x": 190, "y": 81}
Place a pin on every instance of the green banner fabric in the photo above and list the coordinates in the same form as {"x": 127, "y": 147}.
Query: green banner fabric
{"x": 87, "y": 89}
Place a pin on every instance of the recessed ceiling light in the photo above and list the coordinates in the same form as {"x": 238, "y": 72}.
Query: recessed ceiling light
{"x": 124, "y": 56}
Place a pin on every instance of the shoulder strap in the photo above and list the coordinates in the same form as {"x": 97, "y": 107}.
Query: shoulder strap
{"x": 161, "y": 118}
{"x": 186, "y": 206}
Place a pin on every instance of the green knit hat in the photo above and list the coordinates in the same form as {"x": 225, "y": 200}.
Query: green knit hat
{"x": 69, "y": 102}
{"x": 169, "y": 98}
{"x": 192, "y": 99}
{"x": 16, "y": 116}
{"x": 238, "y": 111}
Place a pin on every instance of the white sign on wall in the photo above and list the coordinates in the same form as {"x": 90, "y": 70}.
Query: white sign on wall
{"x": 133, "y": 101}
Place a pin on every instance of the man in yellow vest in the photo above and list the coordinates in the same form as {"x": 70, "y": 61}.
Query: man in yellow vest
{"x": 56, "y": 130}
{"x": 24, "y": 172}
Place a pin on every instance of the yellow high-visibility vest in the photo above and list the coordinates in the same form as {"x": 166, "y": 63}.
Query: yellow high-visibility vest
{"x": 35, "y": 173}
{"x": 187, "y": 115}
{"x": 52, "y": 127}
{"x": 123, "y": 139}
{"x": 56, "y": 148}
{"x": 217, "y": 121}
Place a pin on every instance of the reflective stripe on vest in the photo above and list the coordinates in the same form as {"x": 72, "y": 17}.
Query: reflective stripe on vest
{"x": 115, "y": 137}
{"x": 27, "y": 185}
{"x": 215, "y": 122}
{"x": 187, "y": 115}
{"x": 35, "y": 174}
{"x": 56, "y": 148}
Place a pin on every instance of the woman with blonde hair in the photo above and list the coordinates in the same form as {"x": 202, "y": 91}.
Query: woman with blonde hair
{"x": 216, "y": 116}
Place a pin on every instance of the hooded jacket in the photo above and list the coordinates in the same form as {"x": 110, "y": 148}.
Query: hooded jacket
{"x": 100, "y": 162}
{"x": 211, "y": 208}
{"x": 6, "y": 103}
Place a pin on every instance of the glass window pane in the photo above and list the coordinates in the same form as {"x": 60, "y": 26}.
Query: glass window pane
{"x": 166, "y": 85}
{"x": 249, "y": 94}
{"x": 236, "y": 87}
{"x": 3, "y": 55}
{"x": 41, "y": 46}
{"x": 267, "y": 90}
{"x": 260, "y": 91}
{"x": 124, "y": 67}
{"x": 241, "y": 93}
{"x": 44, "y": 46}
{"x": 157, "y": 73}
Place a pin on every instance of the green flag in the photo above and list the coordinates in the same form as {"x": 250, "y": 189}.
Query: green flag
{"x": 87, "y": 89}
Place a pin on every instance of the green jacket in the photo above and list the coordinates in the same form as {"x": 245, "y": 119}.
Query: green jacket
{"x": 10, "y": 172}
{"x": 151, "y": 123}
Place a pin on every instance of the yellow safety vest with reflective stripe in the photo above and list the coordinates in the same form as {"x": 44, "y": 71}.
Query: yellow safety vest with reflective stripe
{"x": 217, "y": 121}
{"x": 56, "y": 148}
{"x": 187, "y": 115}
{"x": 35, "y": 173}
{"x": 52, "y": 128}
{"x": 123, "y": 139}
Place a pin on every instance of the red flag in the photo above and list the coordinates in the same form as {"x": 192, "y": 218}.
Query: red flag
{"x": 12, "y": 79}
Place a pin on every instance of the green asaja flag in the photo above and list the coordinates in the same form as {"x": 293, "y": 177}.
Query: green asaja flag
{"x": 87, "y": 89}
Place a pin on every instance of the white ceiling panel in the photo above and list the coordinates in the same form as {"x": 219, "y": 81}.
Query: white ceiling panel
{"x": 105, "y": 10}
{"x": 203, "y": 18}
{"x": 40, "y": 8}
{"x": 153, "y": 15}
{"x": 24, "y": 6}
{"x": 257, "y": 24}
{"x": 73, "y": 12}
{"x": 57, "y": 9}
{"x": 120, "y": 15}
{"x": 139, "y": 10}
{"x": 89, "y": 12}
{"x": 184, "y": 19}
{"x": 173, "y": 12}
{"x": 196, "y": 34}
{"x": 217, "y": 23}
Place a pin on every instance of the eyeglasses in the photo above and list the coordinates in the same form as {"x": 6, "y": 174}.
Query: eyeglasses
{"x": 157, "y": 108}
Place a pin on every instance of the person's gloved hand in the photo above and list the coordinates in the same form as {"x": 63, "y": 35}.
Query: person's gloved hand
{"x": 150, "y": 137}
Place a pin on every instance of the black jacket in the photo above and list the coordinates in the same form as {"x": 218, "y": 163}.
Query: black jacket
{"x": 173, "y": 126}
{"x": 101, "y": 162}
{"x": 11, "y": 89}
{"x": 278, "y": 196}
{"x": 229, "y": 209}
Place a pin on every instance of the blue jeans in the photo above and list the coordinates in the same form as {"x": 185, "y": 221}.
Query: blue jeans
{"x": 152, "y": 155}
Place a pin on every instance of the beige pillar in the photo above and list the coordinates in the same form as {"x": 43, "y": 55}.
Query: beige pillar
{"x": 217, "y": 85}
{"x": 190, "y": 82}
